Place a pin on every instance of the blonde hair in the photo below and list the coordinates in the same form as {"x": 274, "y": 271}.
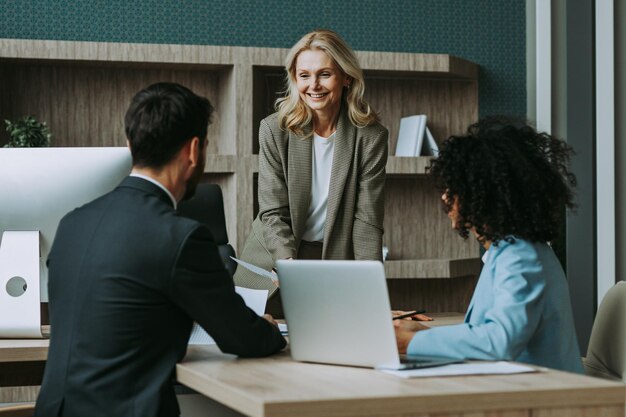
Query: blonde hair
{"x": 293, "y": 114}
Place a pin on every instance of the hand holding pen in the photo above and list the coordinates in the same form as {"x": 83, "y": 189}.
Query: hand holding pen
{"x": 416, "y": 315}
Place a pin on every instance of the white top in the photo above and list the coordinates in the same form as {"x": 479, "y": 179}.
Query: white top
{"x": 323, "y": 151}
{"x": 158, "y": 184}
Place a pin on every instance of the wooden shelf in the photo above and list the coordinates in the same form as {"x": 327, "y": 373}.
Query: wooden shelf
{"x": 432, "y": 268}
{"x": 393, "y": 64}
{"x": 413, "y": 65}
{"x": 82, "y": 90}
{"x": 408, "y": 165}
{"x": 76, "y": 52}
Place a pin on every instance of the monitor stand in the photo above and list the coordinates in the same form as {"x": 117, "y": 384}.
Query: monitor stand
{"x": 20, "y": 311}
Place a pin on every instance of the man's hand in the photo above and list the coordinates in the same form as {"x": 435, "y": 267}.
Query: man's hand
{"x": 405, "y": 330}
{"x": 270, "y": 319}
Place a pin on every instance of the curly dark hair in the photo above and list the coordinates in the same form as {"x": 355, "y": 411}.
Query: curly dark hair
{"x": 509, "y": 180}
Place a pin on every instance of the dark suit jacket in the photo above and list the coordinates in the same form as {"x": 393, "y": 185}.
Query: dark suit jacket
{"x": 126, "y": 277}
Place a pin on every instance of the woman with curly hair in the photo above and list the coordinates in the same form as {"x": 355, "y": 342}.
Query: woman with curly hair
{"x": 508, "y": 186}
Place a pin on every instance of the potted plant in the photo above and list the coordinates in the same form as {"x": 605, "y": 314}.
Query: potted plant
{"x": 27, "y": 133}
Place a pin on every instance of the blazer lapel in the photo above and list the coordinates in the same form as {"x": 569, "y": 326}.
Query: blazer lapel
{"x": 300, "y": 170}
{"x": 345, "y": 139}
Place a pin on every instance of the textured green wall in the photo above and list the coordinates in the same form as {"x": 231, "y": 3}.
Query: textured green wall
{"x": 488, "y": 32}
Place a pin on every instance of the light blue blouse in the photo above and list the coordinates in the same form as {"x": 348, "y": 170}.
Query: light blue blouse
{"x": 520, "y": 311}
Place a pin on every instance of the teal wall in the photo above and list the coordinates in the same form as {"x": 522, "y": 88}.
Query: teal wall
{"x": 488, "y": 32}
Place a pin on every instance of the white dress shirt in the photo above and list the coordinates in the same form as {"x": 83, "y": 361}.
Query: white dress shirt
{"x": 158, "y": 184}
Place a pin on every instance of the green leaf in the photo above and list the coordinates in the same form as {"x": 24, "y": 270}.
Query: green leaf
{"x": 27, "y": 133}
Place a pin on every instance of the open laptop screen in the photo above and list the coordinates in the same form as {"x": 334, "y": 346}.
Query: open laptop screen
{"x": 338, "y": 312}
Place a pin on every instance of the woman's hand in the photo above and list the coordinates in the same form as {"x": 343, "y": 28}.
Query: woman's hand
{"x": 405, "y": 330}
{"x": 275, "y": 272}
{"x": 275, "y": 280}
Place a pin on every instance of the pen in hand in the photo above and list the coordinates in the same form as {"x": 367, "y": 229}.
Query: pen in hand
{"x": 412, "y": 313}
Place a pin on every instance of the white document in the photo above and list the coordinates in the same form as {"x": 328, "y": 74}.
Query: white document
{"x": 255, "y": 299}
{"x": 410, "y": 135}
{"x": 256, "y": 269}
{"x": 472, "y": 368}
{"x": 199, "y": 336}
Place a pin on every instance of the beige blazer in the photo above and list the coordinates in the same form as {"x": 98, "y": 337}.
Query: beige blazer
{"x": 354, "y": 216}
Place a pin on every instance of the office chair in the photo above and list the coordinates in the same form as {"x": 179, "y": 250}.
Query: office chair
{"x": 21, "y": 410}
{"x": 606, "y": 354}
{"x": 207, "y": 207}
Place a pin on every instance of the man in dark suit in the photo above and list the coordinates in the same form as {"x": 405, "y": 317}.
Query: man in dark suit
{"x": 128, "y": 275}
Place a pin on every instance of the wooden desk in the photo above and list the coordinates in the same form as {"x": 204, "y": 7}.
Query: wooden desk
{"x": 22, "y": 363}
{"x": 23, "y": 350}
{"x": 444, "y": 319}
{"x": 27, "y": 350}
{"x": 22, "y": 360}
{"x": 279, "y": 387}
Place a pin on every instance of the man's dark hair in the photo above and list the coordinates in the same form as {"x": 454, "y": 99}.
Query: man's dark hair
{"x": 161, "y": 119}
{"x": 510, "y": 180}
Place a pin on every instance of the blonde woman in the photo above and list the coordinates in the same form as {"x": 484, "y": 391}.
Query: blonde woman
{"x": 321, "y": 164}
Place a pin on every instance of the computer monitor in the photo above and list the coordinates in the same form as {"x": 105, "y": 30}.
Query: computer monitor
{"x": 38, "y": 186}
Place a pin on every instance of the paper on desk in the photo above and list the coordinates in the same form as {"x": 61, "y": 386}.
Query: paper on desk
{"x": 255, "y": 299}
{"x": 199, "y": 336}
{"x": 472, "y": 368}
{"x": 256, "y": 269}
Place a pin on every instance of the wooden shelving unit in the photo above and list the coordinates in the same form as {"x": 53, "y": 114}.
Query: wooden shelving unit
{"x": 407, "y": 165}
{"x": 431, "y": 268}
{"x": 82, "y": 90}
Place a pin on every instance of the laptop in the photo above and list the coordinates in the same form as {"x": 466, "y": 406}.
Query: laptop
{"x": 338, "y": 312}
